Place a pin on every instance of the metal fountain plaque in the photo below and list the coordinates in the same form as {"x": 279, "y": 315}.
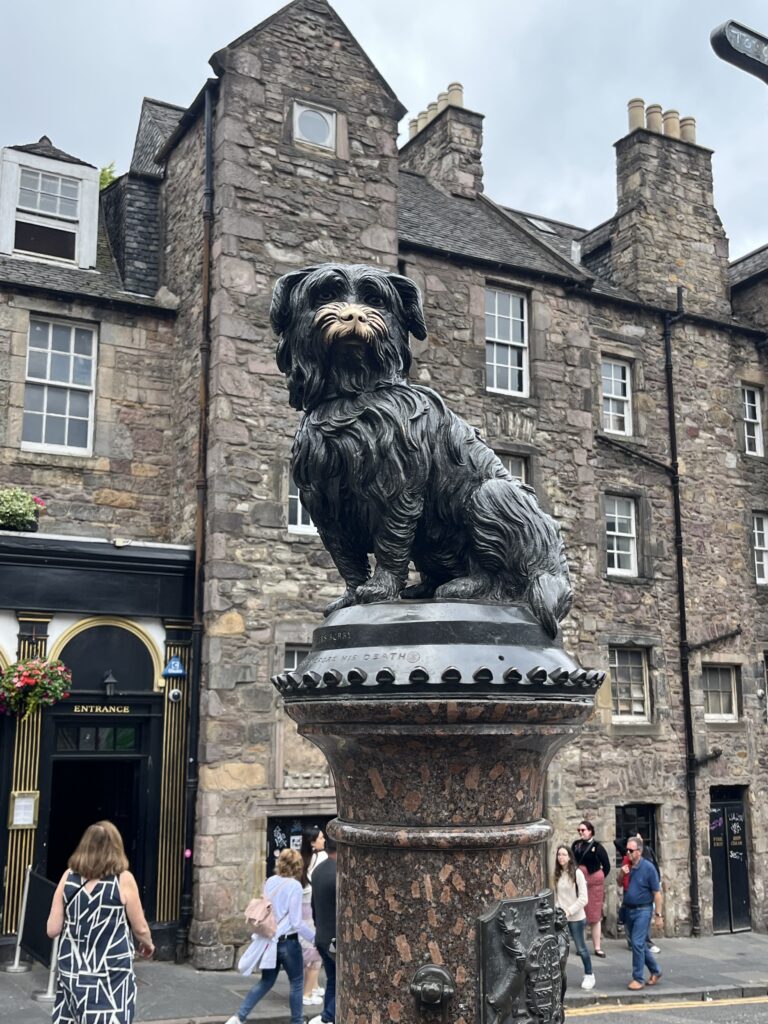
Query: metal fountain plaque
{"x": 522, "y": 953}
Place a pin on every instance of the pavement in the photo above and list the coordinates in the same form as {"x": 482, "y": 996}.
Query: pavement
{"x": 709, "y": 968}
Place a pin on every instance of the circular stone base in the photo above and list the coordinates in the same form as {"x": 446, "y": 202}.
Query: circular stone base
{"x": 456, "y": 648}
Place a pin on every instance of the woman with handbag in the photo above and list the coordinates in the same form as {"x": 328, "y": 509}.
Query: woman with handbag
{"x": 95, "y": 908}
{"x": 592, "y": 859}
{"x": 283, "y": 889}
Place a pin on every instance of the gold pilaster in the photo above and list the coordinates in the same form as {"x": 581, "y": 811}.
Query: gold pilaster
{"x": 170, "y": 859}
{"x": 33, "y": 643}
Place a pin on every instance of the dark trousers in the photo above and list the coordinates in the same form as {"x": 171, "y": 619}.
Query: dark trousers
{"x": 329, "y": 999}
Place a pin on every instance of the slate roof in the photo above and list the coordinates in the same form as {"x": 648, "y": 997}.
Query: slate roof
{"x": 157, "y": 123}
{"x": 560, "y": 235}
{"x": 44, "y": 147}
{"x": 475, "y": 229}
{"x": 748, "y": 266}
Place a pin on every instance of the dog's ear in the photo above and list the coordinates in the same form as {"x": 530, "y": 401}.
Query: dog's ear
{"x": 410, "y": 296}
{"x": 280, "y": 310}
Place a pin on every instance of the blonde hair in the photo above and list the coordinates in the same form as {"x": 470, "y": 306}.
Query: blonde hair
{"x": 100, "y": 852}
{"x": 289, "y": 864}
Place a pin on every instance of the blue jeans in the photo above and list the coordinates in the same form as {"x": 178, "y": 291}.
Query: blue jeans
{"x": 288, "y": 956}
{"x": 329, "y": 1001}
{"x": 637, "y": 920}
{"x": 577, "y": 930}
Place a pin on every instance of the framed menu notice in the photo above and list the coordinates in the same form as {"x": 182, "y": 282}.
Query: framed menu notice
{"x": 22, "y": 812}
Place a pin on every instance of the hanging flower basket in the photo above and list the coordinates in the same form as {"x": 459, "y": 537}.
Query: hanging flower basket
{"x": 33, "y": 683}
{"x": 19, "y": 510}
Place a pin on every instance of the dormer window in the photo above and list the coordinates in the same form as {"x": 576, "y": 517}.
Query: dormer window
{"x": 48, "y": 205}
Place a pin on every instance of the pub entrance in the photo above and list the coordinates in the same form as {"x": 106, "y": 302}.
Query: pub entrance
{"x": 98, "y": 761}
{"x": 730, "y": 863}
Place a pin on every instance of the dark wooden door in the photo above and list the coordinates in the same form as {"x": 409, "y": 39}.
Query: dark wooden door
{"x": 730, "y": 866}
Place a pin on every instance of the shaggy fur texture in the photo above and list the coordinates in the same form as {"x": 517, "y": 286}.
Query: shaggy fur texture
{"x": 385, "y": 468}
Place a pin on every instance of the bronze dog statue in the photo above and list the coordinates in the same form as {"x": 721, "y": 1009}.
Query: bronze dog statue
{"x": 385, "y": 468}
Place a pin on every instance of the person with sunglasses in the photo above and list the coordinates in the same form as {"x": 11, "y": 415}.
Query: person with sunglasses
{"x": 642, "y": 900}
{"x": 592, "y": 859}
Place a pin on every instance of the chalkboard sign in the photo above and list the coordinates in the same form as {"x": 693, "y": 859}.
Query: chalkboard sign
{"x": 33, "y": 936}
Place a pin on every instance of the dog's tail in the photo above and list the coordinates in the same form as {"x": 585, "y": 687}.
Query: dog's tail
{"x": 516, "y": 541}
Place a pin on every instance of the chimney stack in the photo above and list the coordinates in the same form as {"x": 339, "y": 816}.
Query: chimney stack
{"x": 666, "y": 232}
{"x": 446, "y": 144}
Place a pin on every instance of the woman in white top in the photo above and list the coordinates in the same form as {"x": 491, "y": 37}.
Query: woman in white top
{"x": 284, "y": 890}
{"x": 571, "y": 896}
{"x": 312, "y": 854}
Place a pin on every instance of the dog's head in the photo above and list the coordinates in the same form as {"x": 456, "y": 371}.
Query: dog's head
{"x": 343, "y": 329}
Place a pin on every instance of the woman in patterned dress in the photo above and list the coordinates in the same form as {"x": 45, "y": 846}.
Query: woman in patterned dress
{"x": 95, "y": 908}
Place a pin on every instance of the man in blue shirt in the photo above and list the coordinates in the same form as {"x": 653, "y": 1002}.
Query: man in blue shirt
{"x": 641, "y": 900}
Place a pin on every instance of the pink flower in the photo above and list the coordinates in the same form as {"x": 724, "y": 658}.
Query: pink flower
{"x": 39, "y": 502}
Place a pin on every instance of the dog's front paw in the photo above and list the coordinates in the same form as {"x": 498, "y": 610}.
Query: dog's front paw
{"x": 382, "y": 586}
{"x": 346, "y": 599}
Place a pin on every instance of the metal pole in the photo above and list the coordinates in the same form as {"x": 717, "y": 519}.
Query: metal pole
{"x": 50, "y": 993}
{"x": 17, "y": 967}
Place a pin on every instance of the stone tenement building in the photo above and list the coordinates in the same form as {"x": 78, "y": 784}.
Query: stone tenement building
{"x": 620, "y": 370}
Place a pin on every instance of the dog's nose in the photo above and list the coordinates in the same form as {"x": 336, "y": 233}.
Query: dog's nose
{"x": 353, "y": 314}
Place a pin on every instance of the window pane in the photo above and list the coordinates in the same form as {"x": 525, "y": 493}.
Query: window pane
{"x": 48, "y": 204}
{"x": 125, "y": 738}
{"x": 45, "y": 241}
{"x": 49, "y": 183}
{"x": 37, "y": 364}
{"x": 77, "y": 434}
{"x": 61, "y": 337}
{"x": 29, "y": 179}
{"x": 82, "y": 371}
{"x": 105, "y": 738}
{"x": 503, "y": 329}
{"x": 34, "y": 396}
{"x": 60, "y": 368}
{"x": 68, "y": 207}
{"x": 38, "y": 334}
{"x": 87, "y": 738}
{"x": 66, "y": 737}
{"x": 57, "y": 401}
{"x": 70, "y": 188}
{"x": 32, "y": 429}
{"x": 504, "y": 303}
{"x": 27, "y": 199}
{"x": 55, "y": 430}
{"x": 83, "y": 342}
{"x": 79, "y": 403}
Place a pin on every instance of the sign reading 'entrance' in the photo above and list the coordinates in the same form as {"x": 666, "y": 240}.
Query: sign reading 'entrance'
{"x": 101, "y": 709}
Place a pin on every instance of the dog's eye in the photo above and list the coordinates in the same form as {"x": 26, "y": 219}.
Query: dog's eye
{"x": 326, "y": 294}
{"x": 374, "y": 300}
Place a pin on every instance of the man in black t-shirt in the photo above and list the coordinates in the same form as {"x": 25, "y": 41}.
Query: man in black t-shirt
{"x": 324, "y": 914}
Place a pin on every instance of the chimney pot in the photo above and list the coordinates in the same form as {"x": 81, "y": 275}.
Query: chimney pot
{"x": 653, "y": 117}
{"x": 688, "y": 129}
{"x": 421, "y": 120}
{"x": 442, "y": 101}
{"x": 672, "y": 124}
{"x": 455, "y": 94}
{"x": 636, "y": 112}
{"x": 431, "y": 111}
{"x": 413, "y": 127}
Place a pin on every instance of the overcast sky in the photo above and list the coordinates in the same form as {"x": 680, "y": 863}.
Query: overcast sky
{"x": 551, "y": 76}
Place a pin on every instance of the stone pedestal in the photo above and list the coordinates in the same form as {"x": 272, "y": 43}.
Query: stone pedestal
{"x": 438, "y": 721}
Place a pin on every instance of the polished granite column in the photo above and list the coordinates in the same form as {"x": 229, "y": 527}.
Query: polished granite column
{"x": 438, "y": 721}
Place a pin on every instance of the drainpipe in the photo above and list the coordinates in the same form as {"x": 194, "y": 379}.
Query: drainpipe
{"x": 182, "y": 933}
{"x": 691, "y": 764}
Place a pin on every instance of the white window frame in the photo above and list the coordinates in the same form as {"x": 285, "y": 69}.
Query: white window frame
{"x": 612, "y": 536}
{"x": 752, "y": 412}
{"x": 504, "y": 345}
{"x": 293, "y": 655}
{"x": 85, "y": 226}
{"x": 299, "y": 520}
{"x": 298, "y": 110}
{"x": 89, "y": 389}
{"x": 507, "y": 460}
{"x": 719, "y": 716}
{"x": 615, "y": 654}
{"x": 760, "y": 547}
{"x": 616, "y": 395}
